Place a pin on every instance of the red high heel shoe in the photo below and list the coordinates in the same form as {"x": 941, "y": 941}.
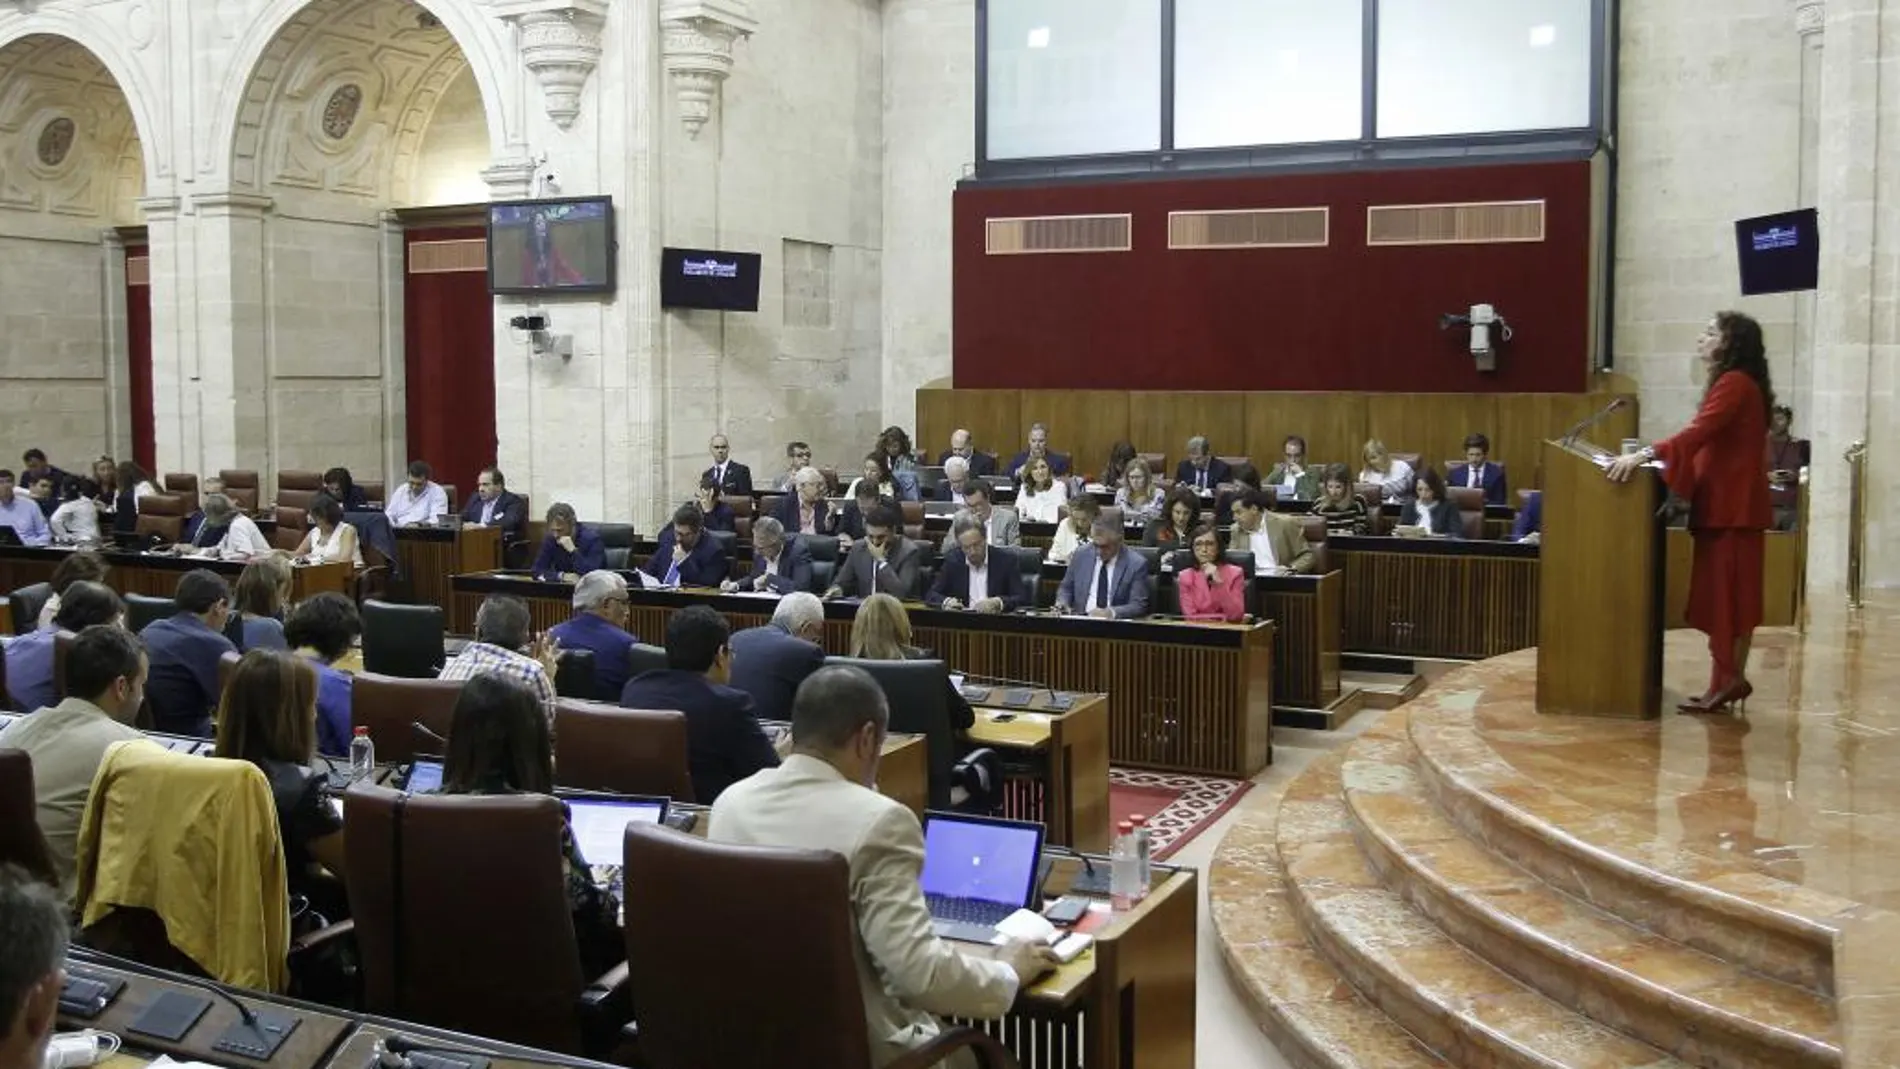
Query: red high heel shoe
{"x": 1696, "y": 705}
{"x": 1736, "y": 694}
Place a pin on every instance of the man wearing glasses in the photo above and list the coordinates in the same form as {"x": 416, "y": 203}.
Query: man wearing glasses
{"x": 797, "y": 456}
{"x": 1293, "y": 477}
{"x": 600, "y": 624}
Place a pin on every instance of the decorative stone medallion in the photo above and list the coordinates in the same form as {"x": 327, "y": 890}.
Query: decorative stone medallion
{"x": 339, "y": 112}
{"x": 56, "y": 140}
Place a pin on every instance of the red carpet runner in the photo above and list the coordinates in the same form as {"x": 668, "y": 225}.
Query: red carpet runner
{"x": 1178, "y": 806}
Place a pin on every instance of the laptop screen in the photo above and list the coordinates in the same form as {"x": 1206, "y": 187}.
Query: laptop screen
{"x": 600, "y": 824}
{"x": 989, "y": 860}
{"x": 424, "y": 775}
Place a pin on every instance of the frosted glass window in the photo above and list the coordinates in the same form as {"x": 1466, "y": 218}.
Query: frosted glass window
{"x": 1483, "y": 66}
{"x": 1074, "y": 77}
{"x": 1266, "y": 72}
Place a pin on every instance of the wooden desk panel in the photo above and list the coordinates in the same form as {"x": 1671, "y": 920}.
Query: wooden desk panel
{"x": 1055, "y": 769}
{"x": 1432, "y": 598}
{"x": 431, "y": 555}
{"x": 1306, "y": 614}
{"x": 156, "y": 574}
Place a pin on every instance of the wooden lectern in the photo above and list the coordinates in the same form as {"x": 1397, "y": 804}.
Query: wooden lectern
{"x": 1600, "y": 588}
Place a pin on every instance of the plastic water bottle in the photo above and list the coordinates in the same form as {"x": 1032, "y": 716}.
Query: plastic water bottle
{"x": 1144, "y": 847}
{"x": 1124, "y": 868}
{"x": 362, "y": 755}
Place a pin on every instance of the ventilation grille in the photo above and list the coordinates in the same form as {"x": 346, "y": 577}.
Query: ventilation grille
{"x": 447, "y": 257}
{"x": 138, "y": 270}
{"x": 1455, "y": 224}
{"x": 1264, "y": 228}
{"x": 1059, "y": 233}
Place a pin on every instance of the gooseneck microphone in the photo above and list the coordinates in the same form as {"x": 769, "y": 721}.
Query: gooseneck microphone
{"x": 173, "y": 1013}
{"x": 1570, "y": 438}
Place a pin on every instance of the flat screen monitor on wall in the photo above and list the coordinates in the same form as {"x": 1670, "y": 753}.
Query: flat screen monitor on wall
{"x": 707, "y": 278}
{"x": 551, "y": 246}
{"x": 1779, "y": 253}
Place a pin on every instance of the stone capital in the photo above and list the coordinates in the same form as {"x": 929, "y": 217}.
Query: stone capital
{"x": 696, "y": 39}
{"x": 1810, "y": 18}
{"x": 560, "y": 45}
{"x": 231, "y": 203}
{"x": 511, "y": 179}
{"x": 157, "y": 208}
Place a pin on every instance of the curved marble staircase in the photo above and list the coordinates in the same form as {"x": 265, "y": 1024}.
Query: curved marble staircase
{"x": 1416, "y": 900}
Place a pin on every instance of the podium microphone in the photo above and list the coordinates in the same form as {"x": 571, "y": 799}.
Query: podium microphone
{"x": 1585, "y": 424}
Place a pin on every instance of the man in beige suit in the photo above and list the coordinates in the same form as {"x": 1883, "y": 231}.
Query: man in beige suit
{"x": 821, "y": 798}
{"x": 1278, "y": 542}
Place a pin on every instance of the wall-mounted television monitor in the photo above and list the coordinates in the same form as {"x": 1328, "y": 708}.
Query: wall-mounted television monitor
{"x": 707, "y": 278}
{"x": 551, "y": 246}
{"x": 1779, "y": 253}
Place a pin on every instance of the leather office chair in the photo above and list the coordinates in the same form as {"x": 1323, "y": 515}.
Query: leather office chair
{"x": 182, "y": 483}
{"x": 1473, "y": 525}
{"x": 454, "y": 499}
{"x": 163, "y": 515}
{"x": 1467, "y": 498}
{"x": 390, "y": 707}
{"x": 285, "y": 539}
{"x": 918, "y": 693}
{"x": 822, "y": 547}
{"x": 292, "y": 518}
{"x": 1157, "y": 464}
{"x": 1029, "y": 563}
{"x": 768, "y": 503}
{"x": 298, "y": 480}
{"x": 25, "y": 605}
{"x": 432, "y": 876}
{"x": 742, "y": 529}
{"x": 402, "y": 640}
{"x": 913, "y": 512}
{"x": 293, "y": 499}
{"x": 1410, "y": 458}
{"x": 601, "y": 747}
{"x": 375, "y": 491}
{"x": 242, "y": 487}
{"x": 21, "y": 842}
{"x": 728, "y": 541}
{"x": 1314, "y": 530}
{"x": 742, "y": 505}
{"x": 617, "y": 558}
{"x": 644, "y": 658}
{"x": 822, "y": 573}
{"x": 678, "y": 970}
{"x": 227, "y": 664}
{"x": 831, "y": 481}
{"x": 372, "y": 579}
{"x": 142, "y": 609}
{"x": 1235, "y": 462}
{"x": 574, "y": 675}
{"x": 62, "y": 647}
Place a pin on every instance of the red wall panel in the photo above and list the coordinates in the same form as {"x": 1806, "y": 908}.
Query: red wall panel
{"x": 1343, "y": 317}
{"x": 138, "y": 336}
{"x": 449, "y": 353}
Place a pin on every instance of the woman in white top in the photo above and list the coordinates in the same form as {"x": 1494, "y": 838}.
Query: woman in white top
{"x": 1042, "y": 495}
{"x": 1139, "y": 498}
{"x": 76, "y": 520}
{"x": 1394, "y": 476}
{"x": 877, "y": 473}
{"x": 242, "y": 540}
{"x": 330, "y": 539}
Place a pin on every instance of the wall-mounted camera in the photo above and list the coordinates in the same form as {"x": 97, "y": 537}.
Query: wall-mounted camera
{"x": 544, "y": 343}
{"x": 1481, "y": 319}
{"x": 530, "y": 323}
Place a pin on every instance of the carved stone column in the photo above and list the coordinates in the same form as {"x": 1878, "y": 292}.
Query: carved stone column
{"x": 696, "y": 45}
{"x": 510, "y": 179}
{"x": 559, "y": 42}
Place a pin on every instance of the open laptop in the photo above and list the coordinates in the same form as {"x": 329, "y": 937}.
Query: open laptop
{"x": 600, "y": 829}
{"x": 978, "y": 870}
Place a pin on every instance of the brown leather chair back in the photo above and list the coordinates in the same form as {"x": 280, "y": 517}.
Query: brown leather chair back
{"x": 913, "y": 512}
{"x": 292, "y": 518}
{"x": 241, "y": 487}
{"x": 297, "y": 500}
{"x": 1473, "y": 524}
{"x": 455, "y": 504}
{"x": 440, "y": 882}
{"x": 390, "y": 706}
{"x": 1237, "y": 461}
{"x": 1467, "y": 498}
{"x": 178, "y": 482}
{"x": 1411, "y": 459}
{"x": 740, "y": 504}
{"x": 298, "y": 480}
{"x": 374, "y": 490}
{"x": 164, "y": 515}
{"x": 21, "y": 842}
{"x": 62, "y": 646}
{"x": 601, "y": 747}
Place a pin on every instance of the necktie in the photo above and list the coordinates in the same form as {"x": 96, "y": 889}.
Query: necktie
{"x": 1473, "y": 484}
{"x": 672, "y": 575}
{"x": 1200, "y": 478}
{"x": 1101, "y": 584}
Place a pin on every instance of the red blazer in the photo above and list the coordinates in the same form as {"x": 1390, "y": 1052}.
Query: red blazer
{"x": 1716, "y": 463}
{"x": 1227, "y": 602}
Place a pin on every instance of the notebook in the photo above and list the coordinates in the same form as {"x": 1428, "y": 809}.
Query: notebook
{"x": 977, "y": 871}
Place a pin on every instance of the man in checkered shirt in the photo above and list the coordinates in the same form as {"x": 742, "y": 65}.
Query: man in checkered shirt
{"x": 502, "y": 648}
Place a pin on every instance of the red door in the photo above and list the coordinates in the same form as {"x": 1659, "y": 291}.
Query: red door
{"x": 449, "y": 350}
{"x": 138, "y": 329}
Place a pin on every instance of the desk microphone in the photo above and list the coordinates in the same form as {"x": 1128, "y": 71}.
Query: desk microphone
{"x": 1591, "y": 421}
{"x": 171, "y": 1015}
{"x": 1003, "y": 681}
{"x": 419, "y": 728}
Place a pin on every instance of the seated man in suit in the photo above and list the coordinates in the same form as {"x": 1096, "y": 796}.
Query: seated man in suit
{"x": 822, "y": 799}
{"x": 494, "y": 506}
{"x": 806, "y": 511}
{"x": 599, "y": 624}
{"x": 1000, "y": 525}
{"x": 184, "y": 649}
{"x": 770, "y": 662}
{"x": 686, "y": 555}
{"x": 797, "y": 459}
{"x": 1202, "y": 471}
{"x": 1293, "y": 477}
{"x": 972, "y": 577}
{"x": 418, "y": 500}
{"x": 726, "y": 473}
{"x": 1104, "y": 579}
{"x": 1038, "y": 447}
{"x": 30, "y": 657}
{"x": 38, "y": 932}
{"x": 569, "y": 549}
{"x": 780, "y": 562}
{"x": 1478, "y": 473}
{"x": 1278, "y": 542}
{"x": 956, "y": 479}
{"x": 980, "y": 464}
{"x": 883, "y": 561}
{"x": 1529, "y": 525}
{"x": 724, "y": 743}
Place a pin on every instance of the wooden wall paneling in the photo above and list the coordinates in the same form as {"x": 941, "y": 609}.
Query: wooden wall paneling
{"x": 1524, "y": 421}
{"x": 1163, "y": 422}
{"x": 1433, "y": 426}
{"x": 994, "y": 417}
{"x": 1082, "y": 423}
{"x": 1333, "y": 424}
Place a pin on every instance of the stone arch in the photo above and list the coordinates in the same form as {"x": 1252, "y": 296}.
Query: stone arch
{"x": 69, "y": 147}
{"x": 140, "y": 99}
{"x": 254, "y": 80}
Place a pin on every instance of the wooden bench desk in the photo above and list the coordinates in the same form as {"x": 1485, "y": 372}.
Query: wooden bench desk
{"x": 157, "y": 574}
{"x": 430, "y": 555}
{"x": 1055, "y": 768}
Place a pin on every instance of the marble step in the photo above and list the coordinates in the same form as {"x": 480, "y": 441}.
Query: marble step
{"x": 1330, "y": 718}
{"x": 1614, "y": 858}
{"x": 1466, "y": 1010}
{"x": 1313, "y": 1016}
{"x": 1703, "y": 1010}
{"x": 1384, "y": 690}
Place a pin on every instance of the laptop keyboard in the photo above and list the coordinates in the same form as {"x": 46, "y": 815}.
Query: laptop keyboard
{"x": 967, "y": 910}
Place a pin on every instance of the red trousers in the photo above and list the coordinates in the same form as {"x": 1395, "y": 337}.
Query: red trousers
{"x": 1725, "y": 594}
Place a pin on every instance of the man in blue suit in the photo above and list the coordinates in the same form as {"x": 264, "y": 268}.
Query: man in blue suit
{"x": 686, "y": 556}
{"x": 976, "y": 577}
{"x": 770, "y": 662}
{"x": 1202, "y": 471}
{"x": 1529, "y": 526}
{"x": 1039, "y": 447}
{"x": 1104, "y": 579}
{"x": 599, "y": 624}
{"x": 494, "y": 506}
{"x": 1477, "y": 472}
{"x": 724, "y": 743}
{"x": 570, "y": 549}
{"x": 780, "y": 562}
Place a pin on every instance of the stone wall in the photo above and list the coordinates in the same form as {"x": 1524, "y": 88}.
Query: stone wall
{"x": 53, "y": 375}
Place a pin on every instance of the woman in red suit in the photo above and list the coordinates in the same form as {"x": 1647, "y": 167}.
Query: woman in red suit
{"x": 1212, "y": 589}
{"x": 1717, "y": 465}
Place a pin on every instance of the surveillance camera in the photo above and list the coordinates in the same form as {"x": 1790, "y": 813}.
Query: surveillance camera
{"x": 1481, "y": 319}
{"x": 529, "y": 322}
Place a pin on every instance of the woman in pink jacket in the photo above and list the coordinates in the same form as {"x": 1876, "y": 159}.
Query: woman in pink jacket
{"x": 1212, "y": 589}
